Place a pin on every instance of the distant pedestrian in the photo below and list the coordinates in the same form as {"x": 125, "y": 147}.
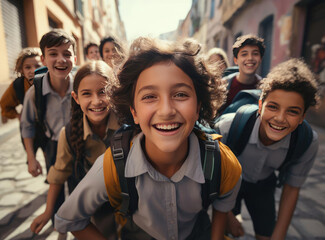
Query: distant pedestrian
{"x": 89, "y": 134}
{"x": 273, "y": 142}
{"x": 248, "y": 51}
{"x": 218, "y": 54}
{"x": 92, "y": 51}
{"x": 28, "y": 60}
{"x": 112, "y": 51}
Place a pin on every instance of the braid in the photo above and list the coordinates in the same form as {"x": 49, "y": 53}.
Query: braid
{"x": 77, "y": 133}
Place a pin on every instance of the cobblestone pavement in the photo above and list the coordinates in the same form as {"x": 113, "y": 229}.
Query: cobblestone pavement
{"x": 23, "y": 197}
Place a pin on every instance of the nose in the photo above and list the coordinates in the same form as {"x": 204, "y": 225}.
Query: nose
{"x": 97, "y": 99}
{"x": 61, "y": 58}
{"x": 280, "y": 116}
{"x": 166, "y": 107}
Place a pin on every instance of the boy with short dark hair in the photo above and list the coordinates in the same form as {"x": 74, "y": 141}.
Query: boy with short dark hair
{"x": 287, "y": 92}
{"x": 92, "y": 51}
{"x": 58, "y": 55}
{"x": 248, "y": 51}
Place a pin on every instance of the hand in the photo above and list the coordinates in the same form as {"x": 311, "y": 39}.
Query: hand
{"x": 34, "y": 167}
{"x": 233, "y": 226}
{"x": 39, "y": 222}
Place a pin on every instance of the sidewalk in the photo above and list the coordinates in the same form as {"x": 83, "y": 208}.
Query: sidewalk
{"x": 8, "y": 129}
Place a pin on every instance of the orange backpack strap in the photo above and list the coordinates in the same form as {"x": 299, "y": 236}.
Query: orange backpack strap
{"x": 112, "y": 184}
{"x": 230, "y": 169}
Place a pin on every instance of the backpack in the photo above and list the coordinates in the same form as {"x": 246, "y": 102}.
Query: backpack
{"x": 40, "y": 139}
{"x": 78, "y": 170}
{"x": 230, "y": 70}
{"x": 18, "y": 85}
{"x": 210, "y": 159}
{"x": 242, "y": 126}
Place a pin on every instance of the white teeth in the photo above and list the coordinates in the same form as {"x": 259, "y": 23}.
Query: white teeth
{"x": 97, "y": 109}
{"x": 167, "y": 126}
{"x": 250, "y": 64}
{"x": 276, "y": 127}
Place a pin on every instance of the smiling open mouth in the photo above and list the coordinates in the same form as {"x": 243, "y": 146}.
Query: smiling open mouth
{"x": 167, "y": 127}
{"x": 277, "y": 127}
{"x": 61, "y": 68}
{"x": 97, "y": 109}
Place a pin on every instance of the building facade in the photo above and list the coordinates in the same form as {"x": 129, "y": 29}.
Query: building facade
{"x": 23, "y": 23}
{"x": 291, "y": 28}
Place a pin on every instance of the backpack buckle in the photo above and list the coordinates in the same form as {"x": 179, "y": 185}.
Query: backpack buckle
{"x": 210, "y": 146}
{"x": 125, "y": 204}
{"x": 118, "y": 153}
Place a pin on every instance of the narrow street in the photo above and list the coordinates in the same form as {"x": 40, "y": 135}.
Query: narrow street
{"x": 23, "y": 197}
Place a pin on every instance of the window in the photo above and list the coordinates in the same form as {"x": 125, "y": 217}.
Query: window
{"x": 212, "y": 9}
{"x": 265, "y": 31}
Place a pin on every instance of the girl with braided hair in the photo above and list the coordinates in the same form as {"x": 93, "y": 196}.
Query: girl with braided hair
{"x": 83, "y": 139}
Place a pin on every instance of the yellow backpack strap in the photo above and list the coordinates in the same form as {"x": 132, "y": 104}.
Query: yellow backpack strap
{"x": 230, "y": 169}
{"x": 112, "y": 182}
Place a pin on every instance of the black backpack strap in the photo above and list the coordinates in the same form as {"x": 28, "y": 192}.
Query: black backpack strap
{"x": 18, "y": 85}
{"x": 40, "y": 100}
{"x": 120, "y": 146}
{"x": 211, "y": 165}
{"x": 68, "y": 137}
{"x": 40, "y": 139}
{"x": 241, "y": 128}
{"x": 300, "y": 141}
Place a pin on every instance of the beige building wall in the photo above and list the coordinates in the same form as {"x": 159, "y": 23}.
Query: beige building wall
{"x": 100, "y": 17}
{"x": 4, "y": 67}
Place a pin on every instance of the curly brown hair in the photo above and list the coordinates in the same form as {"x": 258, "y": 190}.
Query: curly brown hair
{"x": 249, "y": 39}
{"x": 146, "y": 52}
{"x": 293, "y": 76}
{"x": 119, "y": 47}
{"x": 100, "y": 68}
{"x": 23, "y": 55}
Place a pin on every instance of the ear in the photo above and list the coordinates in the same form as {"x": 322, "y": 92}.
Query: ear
{"x": 235, "y": 60}
{"x": 75, "y": 59}
{"x": 43, "y": 60}
{"x": 134, "y": 115}
{"x": 75, "y": 97}
{"x": 260, "y": 106}
{"x": 302, "y": 118}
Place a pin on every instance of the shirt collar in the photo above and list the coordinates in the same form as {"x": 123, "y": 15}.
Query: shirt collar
{"x": 254, "y": 138}
{"x": 137, "y": 163}
{"x": 112, "y": 124}
{"x": 46, "y": 89}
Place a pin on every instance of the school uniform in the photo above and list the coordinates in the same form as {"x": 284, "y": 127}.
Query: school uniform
{"x": 167, "y": 207}
{"x": 60, "y": 172}
{"x": 259, "y": 164}
{"x": 57, "y": 115}
{"x": 94, "y": 147}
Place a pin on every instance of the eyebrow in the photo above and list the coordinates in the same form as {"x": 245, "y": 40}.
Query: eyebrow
{"x": 177, "y": 85}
